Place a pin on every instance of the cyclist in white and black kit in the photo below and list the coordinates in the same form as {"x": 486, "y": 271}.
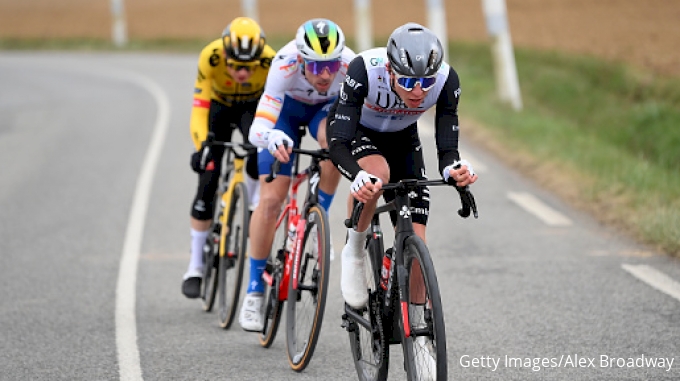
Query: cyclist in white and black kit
{"x": 374, "y": 136}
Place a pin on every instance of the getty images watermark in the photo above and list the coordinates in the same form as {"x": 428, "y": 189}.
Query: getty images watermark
{"x": 566, "y": 361}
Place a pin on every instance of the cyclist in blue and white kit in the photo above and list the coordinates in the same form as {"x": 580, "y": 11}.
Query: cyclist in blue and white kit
{"x": 303, "y": 81}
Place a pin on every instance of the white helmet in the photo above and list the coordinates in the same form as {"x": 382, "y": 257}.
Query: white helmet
{"x": 320, "y": 40}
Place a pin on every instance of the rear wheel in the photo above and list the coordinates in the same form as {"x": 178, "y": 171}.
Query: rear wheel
{"x": 273, "y": 307}
{"x": 425, "y": 348}
{"x": 370, "y": 350}
{"x": 231, "y": 262}
{"x": 307, "y": 303}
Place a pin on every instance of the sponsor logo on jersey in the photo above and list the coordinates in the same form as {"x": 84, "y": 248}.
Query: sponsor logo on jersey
{"x": 214, "y": 59}
{"x": 351, "y": 82}
{"x": 375, "y": 61}
{"x": 290, "y": 66}
{"x": 393, "y": 111}
{"x": 276, "y": 100}
{"x": 343, "y": 95}
{"x": 421, "y": 211}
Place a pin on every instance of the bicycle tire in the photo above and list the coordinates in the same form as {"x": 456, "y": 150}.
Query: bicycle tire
{"x": 275, "y": 266}
{"x": 306, "y": 305}
{"x": 231, "y": 264}
{"x": 422, "y": 357}
{"x": 370, "y": 350}
{"x": 211, "y": 265}
{"x": 211, "y": 250}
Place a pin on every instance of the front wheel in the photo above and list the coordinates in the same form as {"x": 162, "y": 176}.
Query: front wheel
{"x": 273, "y": 307}
{"x": 210, "y": 268}
{"x": 425, "y": 348}
{"x": 232, "y": 260}
{"x": 368, "y": 342}
{"x": 307, "y": 301}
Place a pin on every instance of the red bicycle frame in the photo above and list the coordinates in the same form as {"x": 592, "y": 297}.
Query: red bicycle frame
{"x": 292, "y": 260}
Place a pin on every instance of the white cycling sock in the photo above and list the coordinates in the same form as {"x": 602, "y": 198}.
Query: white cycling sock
{"x": 253, "y": 186}
{"x": 197, "y": 241}
{"x": 356, "y": 240}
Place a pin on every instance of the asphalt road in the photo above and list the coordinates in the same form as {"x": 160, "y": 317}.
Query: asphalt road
{"x": 95, "y": 191}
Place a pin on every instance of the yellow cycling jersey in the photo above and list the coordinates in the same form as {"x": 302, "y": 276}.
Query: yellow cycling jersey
{"x": 213, "y": 82}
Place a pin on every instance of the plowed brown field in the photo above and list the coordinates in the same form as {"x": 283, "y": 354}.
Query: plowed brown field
{"x": 645, "y": 33}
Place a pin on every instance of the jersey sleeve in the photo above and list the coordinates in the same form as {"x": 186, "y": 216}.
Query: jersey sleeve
{"x": 201, "y": 105}
{"x": 344, "y": 118}
{"x": 271, "y": 102}
{"x": 446, "y": 121}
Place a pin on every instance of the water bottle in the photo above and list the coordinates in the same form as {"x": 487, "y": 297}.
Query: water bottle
{"x": 292, "y": 226}
{"x": 386, "y": 266}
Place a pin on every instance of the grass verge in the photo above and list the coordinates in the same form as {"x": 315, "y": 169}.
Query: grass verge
{"x": 603, "y": 135}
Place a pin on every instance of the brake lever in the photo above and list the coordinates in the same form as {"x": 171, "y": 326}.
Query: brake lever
{"x": 468, "y": 203}
{"x": 276, "y": 166}
{"x": 353, "y": 221}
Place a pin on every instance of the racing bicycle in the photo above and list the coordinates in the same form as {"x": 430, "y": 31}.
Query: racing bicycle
{"x": 404, "y": 304}
{"x": 298, "y": 267}
{"x": 225, "y": 250}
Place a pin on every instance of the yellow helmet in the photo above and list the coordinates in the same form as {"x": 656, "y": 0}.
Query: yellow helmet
{"x": 243, "y": 39}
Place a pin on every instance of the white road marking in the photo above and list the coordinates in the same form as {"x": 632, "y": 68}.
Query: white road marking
{"x": 536, "y": 207}
{"x": 654, "y": 278}
{"x": 126, "y": 327}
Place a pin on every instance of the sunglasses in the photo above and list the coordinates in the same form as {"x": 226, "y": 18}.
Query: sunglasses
{"x": 408, "y": 83}
{"x": 237, "y": 65}
{"x": 317, "y": 67}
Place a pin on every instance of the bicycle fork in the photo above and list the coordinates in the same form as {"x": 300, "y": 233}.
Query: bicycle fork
{"x": 297, "y": 250}
{"x": 271, "y": 278}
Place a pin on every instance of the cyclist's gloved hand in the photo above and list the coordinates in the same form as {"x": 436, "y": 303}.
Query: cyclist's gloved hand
{"x": 455, "y": 174}
{"x": 201, "y": 158}
{"x": 276, "y": 139}
{"x": 363, "y": 187}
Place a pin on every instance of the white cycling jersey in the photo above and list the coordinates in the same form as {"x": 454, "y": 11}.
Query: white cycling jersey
{"x": 286, "y": 78}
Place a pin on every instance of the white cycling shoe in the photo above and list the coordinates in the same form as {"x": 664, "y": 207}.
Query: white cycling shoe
{"x": 353, "y": 277}
{"x": 250, "y": 317}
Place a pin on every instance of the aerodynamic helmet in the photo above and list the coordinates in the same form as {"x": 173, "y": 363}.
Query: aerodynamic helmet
{"x": 414, "y": 51}
{"x": 243, "y": 40}
{"x": 320, "y": 40}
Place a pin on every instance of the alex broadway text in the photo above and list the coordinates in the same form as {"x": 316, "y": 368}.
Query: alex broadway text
{"x": 566, "y": 361}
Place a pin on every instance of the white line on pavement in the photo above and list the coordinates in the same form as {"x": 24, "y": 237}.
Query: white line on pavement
{"x": 536, "y": 207}
{"x": 654, "y": 278}
{"x": 126, "y": 327}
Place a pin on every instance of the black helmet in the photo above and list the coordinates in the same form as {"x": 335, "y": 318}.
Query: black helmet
{"x": 414, "y": 51}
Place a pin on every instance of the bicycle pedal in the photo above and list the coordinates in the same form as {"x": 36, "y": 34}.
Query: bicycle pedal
{"x": 348, "y": 324}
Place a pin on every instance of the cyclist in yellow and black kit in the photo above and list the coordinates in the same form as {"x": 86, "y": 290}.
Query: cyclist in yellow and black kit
{"x": 232, "y": 71}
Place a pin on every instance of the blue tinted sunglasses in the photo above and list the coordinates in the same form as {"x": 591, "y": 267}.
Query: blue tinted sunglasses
{"x": 408, "y": 83}
{"x": 317, "y": 67}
